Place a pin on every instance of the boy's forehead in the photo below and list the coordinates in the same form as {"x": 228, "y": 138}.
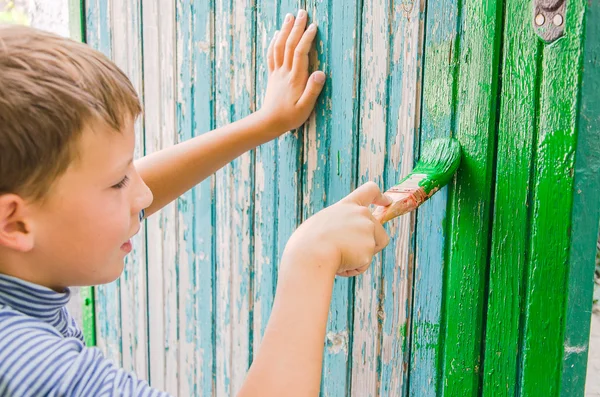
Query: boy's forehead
{"x": 101, "y": 148}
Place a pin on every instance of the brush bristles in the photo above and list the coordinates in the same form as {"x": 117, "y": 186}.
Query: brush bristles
{"x": 439, "y": 161}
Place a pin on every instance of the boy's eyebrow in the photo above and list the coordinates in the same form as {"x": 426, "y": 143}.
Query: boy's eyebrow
{"x": 126, "y": 165}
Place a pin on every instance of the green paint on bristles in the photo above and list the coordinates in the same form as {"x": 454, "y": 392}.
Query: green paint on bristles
{"x": 439, "y": 161}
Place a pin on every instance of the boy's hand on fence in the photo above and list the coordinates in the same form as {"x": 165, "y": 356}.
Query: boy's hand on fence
{"x": 291, "y": 93}
{"x": 343, "y": 237}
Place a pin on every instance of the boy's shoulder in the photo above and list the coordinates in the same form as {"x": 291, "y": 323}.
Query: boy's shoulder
{"x": 14, "y": 322}
{"x": 30, "y": 349}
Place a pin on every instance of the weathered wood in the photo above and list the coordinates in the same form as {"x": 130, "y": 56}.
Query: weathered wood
{"x": 195, "y": 115}
{"x": 585, "y": 214}
{"x": 404, "y": 103}
{"x": 127, "y": 54}
{"x": 439, "y": 81}
{"x": 159, "y": 94}
{"x": 266, "y": 194}
{"x": 186, "y": 257}
{"x": 107, "y": 297}
{"x": 516, "y": 132}
{"x": 374, "y": 63}
{"x": 235, "y": 187}
{"x": 277, "y": 177}
{"x": 550, "y": 224}
{"x": 330, "y": 161}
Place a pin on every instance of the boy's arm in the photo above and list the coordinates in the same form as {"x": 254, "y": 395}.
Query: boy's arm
{"x": 290, "y": 357}
{"x": 291, "y": 95}
{"x": 341, "y": 239}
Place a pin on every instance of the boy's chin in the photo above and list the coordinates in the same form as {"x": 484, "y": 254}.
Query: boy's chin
{"x": 111, "y": 273}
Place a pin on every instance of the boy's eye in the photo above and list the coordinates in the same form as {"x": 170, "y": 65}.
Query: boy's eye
{"x": 122, "y": 184}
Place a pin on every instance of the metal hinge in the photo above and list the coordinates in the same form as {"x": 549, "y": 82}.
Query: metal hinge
{"x": 549, "y": 18}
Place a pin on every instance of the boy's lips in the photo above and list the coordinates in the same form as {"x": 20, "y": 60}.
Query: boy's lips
{"x": 127, "y": 247}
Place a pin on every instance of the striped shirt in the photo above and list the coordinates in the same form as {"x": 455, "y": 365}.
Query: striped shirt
{"x": 42, "y": 352}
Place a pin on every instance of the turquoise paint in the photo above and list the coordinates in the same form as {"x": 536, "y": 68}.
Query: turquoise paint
{"x": 436, "y": 121}
{"x": 243, "y": 105}
{"x": 185, "y": 114}
{"x": 265, "y": 258}
{"x": 203, "y": 120}
{"x": 372, "y": 116}
{"x": 335, "y": 126}
{"x": 107, "y": 297}
{"x": 223, "y": 100}
{"x": 234, "y": 251}
{"x": 404, "y": 64}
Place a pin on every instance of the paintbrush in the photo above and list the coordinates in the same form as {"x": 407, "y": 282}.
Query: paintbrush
{"x": 439, "y": 161}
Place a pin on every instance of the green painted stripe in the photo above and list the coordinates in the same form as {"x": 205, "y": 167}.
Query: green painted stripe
{"x": 552, "y": 184}
{"x": 475, "y": 99}
{"x": 516, "y": 132}
{"x": 76, "y": 20}
{"x": 89, "y": 316}
{"x": 585, "y": 214}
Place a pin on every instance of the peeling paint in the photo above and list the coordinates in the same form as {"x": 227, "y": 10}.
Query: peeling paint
{"x": 337, "y": 342}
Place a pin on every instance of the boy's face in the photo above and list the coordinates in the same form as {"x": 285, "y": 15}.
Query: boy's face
{"x": 82, "y": 228}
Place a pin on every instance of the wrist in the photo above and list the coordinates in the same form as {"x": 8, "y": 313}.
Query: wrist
{"x": 319, "y": 259}
{"x": 272, "y": 122}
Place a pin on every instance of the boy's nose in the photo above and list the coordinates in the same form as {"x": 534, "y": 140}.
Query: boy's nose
{"x": 144, "y": 198}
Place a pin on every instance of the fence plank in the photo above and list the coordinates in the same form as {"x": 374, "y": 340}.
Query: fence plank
{"x": 107, "y": 297}
{"x": 475, "y": 94}
{"x": 586, "y": 212}
{"x": 439, "y": 81}
{"x": 404, "y": 103}
{"x": 550, "y": 222}
{"x": 516, "y": 133}
{"x": 235, "y": 188}
{"x": 159, "y": 85}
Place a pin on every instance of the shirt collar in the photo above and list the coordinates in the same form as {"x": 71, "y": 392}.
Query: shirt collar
{"x": 31, "y": 299}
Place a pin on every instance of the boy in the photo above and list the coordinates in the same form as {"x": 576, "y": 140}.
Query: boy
{"x": 71, "y": 198}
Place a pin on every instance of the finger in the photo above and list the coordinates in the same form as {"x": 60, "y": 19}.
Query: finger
{"x": 367, "y": 194}
{"x": 294, "y": 38}
{"x": 382, "y": 239}
{"x": 300, "y": 57}
{"x": 270, "y": 60}
{"x": 282, "y": 38}
{"x": 313, "y": 88}
{"x": 354, "y": 272}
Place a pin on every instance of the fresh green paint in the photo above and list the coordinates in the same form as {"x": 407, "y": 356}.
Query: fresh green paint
{"x": 439, "y": 160}
{"x": 585, "y": 214}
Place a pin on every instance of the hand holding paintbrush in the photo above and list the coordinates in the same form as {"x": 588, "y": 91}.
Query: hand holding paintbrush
{"x": 439, "y": 161}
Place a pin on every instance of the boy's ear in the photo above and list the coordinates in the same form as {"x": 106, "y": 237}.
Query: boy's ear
{"x": 15, "y": 227}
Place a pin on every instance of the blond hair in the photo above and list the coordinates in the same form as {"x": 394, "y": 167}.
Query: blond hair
{"x": 50, "y": 88}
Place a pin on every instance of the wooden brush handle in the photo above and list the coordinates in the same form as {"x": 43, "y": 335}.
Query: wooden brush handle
{"x": 406, "y": 197}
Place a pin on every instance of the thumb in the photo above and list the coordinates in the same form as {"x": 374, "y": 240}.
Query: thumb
{"x": 314, "y": 86}
{"x": 367, "y": 194}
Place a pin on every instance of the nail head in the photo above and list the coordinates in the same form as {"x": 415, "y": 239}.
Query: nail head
{"x": 540, "y": 19}
{"x": 557, "y": 20}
